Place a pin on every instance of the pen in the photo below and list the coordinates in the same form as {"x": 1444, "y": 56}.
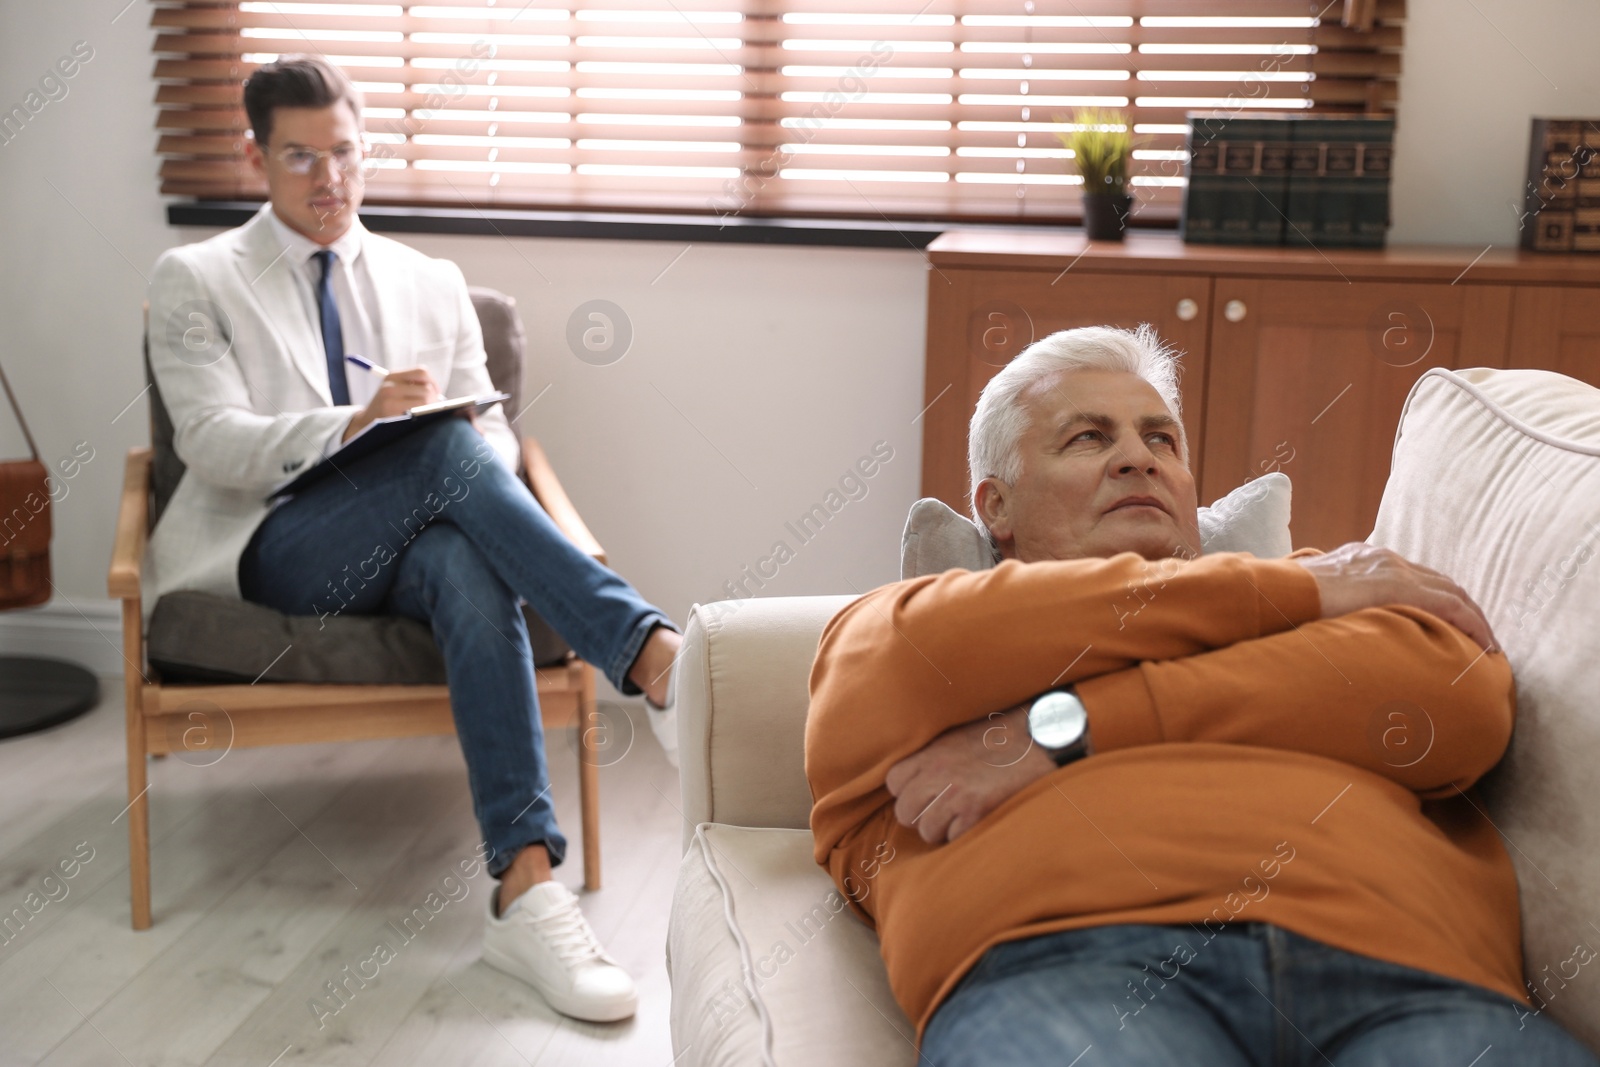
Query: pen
{"x": 367, "y": 365}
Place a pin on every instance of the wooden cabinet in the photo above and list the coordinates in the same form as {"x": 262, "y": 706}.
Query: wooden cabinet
{"x": 1556, "y": 328}
{"x": 1293, "y": 360}
{"x": 1309, "y": 378}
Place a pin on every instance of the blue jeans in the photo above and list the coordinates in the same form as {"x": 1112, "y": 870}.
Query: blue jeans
{"x": 434, "y": 527}
{"x": 1255, "y": 994}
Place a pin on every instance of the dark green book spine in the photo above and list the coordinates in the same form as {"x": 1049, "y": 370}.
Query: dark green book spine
{"x": 1251, "y": 199}
{"x": 1338, "y": 193}
{"x": 1372, "y": 197}
{"x": 1273, "y": 186}
{"x": 1338, "y": 185}
{"x": 1240, "y": 157}
{"x": 1337, "y": 200}
{"x": 1374, "y": 137}
{"x": 1238, "y": 178}
{"x": 1306, "y": 147}
{"x": 1202, "y": 203}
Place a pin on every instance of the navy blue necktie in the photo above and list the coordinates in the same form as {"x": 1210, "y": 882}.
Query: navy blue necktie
{"x": 332, "y": 334}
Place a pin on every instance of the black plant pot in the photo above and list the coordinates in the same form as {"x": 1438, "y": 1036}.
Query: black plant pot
{"x": 1105, "y": 215}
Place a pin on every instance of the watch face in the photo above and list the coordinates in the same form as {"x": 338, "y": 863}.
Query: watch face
{"x": 1057, "y": 720}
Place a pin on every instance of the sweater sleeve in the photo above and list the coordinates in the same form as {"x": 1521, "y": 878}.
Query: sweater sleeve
{"x": 1395, "y": 691}
{"x": 905, "y": 662}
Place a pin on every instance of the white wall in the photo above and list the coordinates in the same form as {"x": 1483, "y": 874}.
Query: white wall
{"x": 785, "y": 365}
{"x": 756, "y": 378}
{"x": 1474, "y": 74}
{"x": 79, "y": 221}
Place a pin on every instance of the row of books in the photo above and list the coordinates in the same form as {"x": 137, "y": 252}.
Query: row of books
{"x": 1562, "y": 204}
{"x": 1290, "y": 179}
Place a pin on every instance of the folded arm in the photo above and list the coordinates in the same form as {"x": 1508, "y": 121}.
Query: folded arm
{"x": 1406, "y": 703}
{"x": 908, "y": 661}
{"x": 1394, "y": 691}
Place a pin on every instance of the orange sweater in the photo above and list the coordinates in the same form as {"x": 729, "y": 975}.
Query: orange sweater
{"x": 1246, "y": 766}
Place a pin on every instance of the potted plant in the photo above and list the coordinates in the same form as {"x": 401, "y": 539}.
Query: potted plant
{"x": 1101, "y": 143}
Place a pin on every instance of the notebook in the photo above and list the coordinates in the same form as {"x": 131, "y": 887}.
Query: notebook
{"x": 380, "y": 432}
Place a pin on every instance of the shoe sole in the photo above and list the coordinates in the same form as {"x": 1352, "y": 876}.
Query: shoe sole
{"x": 583, "y": 1011}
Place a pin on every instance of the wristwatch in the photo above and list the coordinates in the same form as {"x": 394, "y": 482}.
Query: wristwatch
{"x": 1059, "y": 724}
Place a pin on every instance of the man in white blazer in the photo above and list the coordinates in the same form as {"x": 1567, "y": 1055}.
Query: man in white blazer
{"x": 248, "y": 339}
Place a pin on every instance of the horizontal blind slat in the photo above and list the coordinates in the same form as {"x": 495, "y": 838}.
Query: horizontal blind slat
{"x": 813, "y": 106}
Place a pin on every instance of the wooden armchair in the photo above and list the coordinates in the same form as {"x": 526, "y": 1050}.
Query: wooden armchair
{"x": 159, "y": 713}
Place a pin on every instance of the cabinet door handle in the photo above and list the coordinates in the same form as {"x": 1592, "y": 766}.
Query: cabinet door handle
{"x": 1235, "y": 311}
{"x": 1187, "y": 309}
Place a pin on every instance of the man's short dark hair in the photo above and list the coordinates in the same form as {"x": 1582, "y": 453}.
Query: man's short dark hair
{"x": 295, "y": 81}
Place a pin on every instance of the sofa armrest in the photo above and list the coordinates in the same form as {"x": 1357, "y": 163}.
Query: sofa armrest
{"x": 742, "y": 701}
{"x": 553, "y": 498}
{"x": 133, "y": 527}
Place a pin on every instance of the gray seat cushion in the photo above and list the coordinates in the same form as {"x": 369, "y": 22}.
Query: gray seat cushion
{"x": 202, "y": 637}
{"x": 198, "y": 637}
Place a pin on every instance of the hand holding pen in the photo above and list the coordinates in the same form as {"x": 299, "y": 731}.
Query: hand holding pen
{"x": 399, "y": 392}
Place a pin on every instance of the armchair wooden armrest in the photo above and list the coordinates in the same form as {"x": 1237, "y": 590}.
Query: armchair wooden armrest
{"x": 547, "y": 490}
{"x": 133, "y": 527}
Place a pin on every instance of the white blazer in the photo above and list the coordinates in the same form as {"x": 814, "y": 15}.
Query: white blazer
{"x": 253, "y": 407}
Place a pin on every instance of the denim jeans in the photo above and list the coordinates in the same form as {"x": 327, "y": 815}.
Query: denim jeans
{"x": 1255, "y": 994}
{"x": 435, "y": 528}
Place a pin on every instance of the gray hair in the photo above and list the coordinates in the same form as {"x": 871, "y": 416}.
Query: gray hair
{"x": 1000, "y": 421}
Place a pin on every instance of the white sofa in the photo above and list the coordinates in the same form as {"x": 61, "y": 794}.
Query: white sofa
{"x": 1496, "y": 481}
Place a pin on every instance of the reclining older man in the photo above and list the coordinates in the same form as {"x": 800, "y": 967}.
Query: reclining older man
{"x": 1176, "y": 834}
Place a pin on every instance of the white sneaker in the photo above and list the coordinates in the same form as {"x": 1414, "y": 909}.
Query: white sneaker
{"x": 664, "y": 720}
{"x": 545, "y": 941}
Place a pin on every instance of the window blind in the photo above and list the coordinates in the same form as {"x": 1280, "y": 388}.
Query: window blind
{"x": 860, "y": 109}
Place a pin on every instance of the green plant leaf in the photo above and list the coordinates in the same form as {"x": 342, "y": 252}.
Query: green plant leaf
{"x": 1101, "y": 143}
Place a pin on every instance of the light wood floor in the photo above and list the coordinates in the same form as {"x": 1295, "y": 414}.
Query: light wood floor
{"x": 276, "y": 868}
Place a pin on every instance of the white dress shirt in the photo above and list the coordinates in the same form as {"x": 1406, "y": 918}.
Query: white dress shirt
{"x": 353, "y": 295}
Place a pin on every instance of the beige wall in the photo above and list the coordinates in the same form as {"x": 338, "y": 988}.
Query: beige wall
{"x": 757, "y": 375}
{"x": 1475, "y": 73}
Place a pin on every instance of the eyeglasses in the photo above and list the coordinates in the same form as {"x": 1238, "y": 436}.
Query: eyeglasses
{"x": 298, "y": 160}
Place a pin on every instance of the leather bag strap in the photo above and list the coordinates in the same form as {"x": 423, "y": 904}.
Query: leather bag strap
{"x": 33, "y": 448}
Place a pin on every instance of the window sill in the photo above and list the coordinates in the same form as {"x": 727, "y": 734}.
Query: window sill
{"x": 704, "y": 229}
{"x": 596, "y": 225}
